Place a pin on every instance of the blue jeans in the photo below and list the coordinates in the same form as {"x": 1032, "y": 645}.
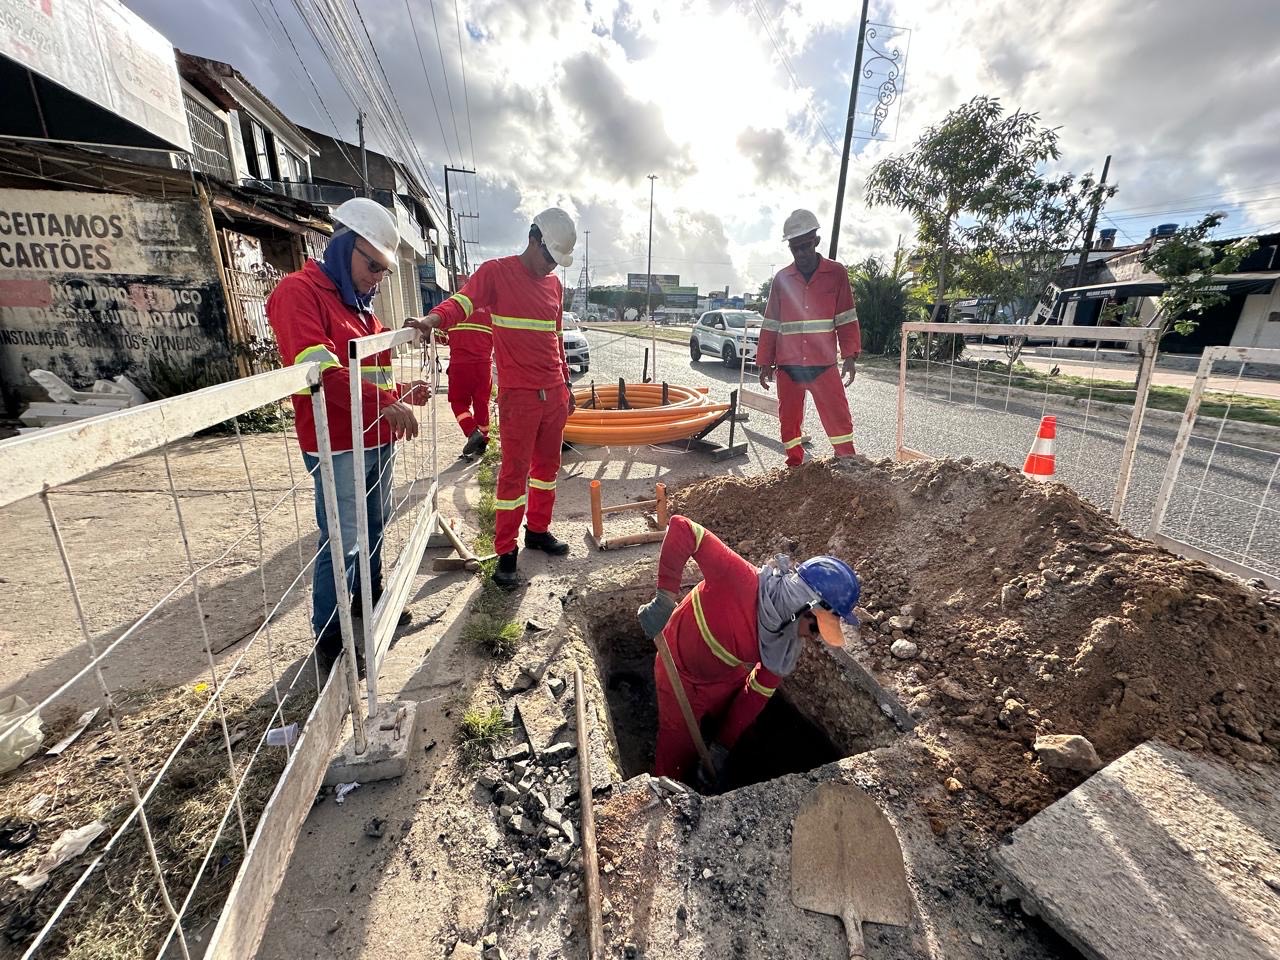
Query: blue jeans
{"x": 378, "y": 464}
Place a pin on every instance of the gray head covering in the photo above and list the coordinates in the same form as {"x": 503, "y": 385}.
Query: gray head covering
{"x": 781, "y": 596}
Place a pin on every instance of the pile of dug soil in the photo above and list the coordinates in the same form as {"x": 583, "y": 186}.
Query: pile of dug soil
{"x": 1023, "y": 611}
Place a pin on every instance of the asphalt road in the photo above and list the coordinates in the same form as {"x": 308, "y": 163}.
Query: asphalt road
{"x": 1227, "y": 499}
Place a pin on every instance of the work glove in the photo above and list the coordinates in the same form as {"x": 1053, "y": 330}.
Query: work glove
{"x": 653, "y": 616}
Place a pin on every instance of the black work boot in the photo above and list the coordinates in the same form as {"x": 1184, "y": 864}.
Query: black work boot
{"x": 329, "y": 650}
{"x": 505, "y": 574}
{"x": 475, "y": 445}
{"x": 546, "y": 542}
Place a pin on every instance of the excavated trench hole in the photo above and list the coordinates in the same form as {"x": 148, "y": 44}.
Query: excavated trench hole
{"x": 818, "y": 715}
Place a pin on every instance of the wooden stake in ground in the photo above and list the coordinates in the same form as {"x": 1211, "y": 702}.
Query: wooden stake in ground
{"x": 590, "y": 860}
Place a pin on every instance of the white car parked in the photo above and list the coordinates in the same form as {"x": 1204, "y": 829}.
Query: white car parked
{"x": 577, "y": 351}
{"x": 732, "y": 335}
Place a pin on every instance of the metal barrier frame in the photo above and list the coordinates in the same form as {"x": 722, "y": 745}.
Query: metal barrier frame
{"x": 1145, "y": 338}
{"x": 1210, "y": 356}
{"x": 378, "y": 629}
{"x": 34, "y": 463}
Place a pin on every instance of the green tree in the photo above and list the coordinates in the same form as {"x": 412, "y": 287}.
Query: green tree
{"x": 1189, "y": 265}
{"x": 880, "y": 292}
{"x": 974, "y": 163}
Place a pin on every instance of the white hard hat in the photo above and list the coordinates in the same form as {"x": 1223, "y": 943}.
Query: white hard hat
{"x": 798, "y": 224}
{"x": 374, "y": 223}
{"x": 558, "y": 234}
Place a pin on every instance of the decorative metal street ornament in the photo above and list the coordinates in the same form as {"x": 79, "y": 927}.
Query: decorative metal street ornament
{"x": 882, "y": 80}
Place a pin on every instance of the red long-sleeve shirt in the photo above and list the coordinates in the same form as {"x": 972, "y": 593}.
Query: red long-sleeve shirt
{"x": 713, "y": 633}
{"x": 471, "y": 341}
{"x": 805, "y": 319}
{"x": 311, "y": 322}
{"x": 527, "y": 315}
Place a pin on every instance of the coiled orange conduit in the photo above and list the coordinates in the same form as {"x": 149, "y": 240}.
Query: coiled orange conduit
{"x": 687, "y": 412}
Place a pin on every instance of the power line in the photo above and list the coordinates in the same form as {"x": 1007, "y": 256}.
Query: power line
{"x": 1196, "y": 198}
{"x": 466, "y": 97}
{"x": 786, "y": 63}
{"x": 1164, "y": 212}
{"x": 444, "y": 72}
{"x": 444, "y": 139}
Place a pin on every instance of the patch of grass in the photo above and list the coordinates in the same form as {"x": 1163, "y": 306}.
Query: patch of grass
{"x": 481, "y": 729}
{"x": 493, "y": 631}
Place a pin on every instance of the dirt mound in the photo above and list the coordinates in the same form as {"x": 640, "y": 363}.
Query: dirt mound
{"x": 1023, "y": 611}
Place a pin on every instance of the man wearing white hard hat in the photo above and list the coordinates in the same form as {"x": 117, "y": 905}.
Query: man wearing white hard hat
{"x": 810, "y": 312}
{"x": 315, "y": 313}
{"x": 525, "y": 301}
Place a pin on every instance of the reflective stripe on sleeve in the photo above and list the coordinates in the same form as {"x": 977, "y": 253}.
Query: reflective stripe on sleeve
{"x": 524, "y": 323}
{"x": 758, "y": 687}
{"x": 477, "y": 327}
{"x": 321, "y": 353}
{"x": 464, "y": 302}
{"x": 382, "y": 377}
{"x": 699, "y": 531}
{"x": 848, "y": 316}
{"x": 712, "y": 643}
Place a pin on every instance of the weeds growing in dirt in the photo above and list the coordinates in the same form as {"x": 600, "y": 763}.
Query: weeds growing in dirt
{"x": 493, "y": 632}
{"x": 480, "y": 729}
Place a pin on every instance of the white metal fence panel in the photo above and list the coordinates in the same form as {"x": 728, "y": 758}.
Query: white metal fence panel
{"x": 948, "y": 401}
{"x": 1220, "y": 498}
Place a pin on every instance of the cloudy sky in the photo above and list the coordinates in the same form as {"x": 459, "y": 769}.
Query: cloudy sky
{"x": 731, "y": 104}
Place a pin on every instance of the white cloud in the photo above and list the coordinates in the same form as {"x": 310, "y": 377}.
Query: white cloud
{"x": 574, "y": 101}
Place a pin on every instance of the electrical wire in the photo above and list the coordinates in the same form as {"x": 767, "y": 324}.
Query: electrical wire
{"x": 444, "y": 138}
{"x": 795, "y": 82}
{"x": 444, "y": 72}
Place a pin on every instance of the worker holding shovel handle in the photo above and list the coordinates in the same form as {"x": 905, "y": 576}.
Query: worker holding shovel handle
{"x": 724, "y": 649}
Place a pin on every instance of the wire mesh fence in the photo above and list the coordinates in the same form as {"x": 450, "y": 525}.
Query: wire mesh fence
{"x": 971, "y": 390}
{"x": 164, "y": 586}
{"x": 399, "y": 484}
{"x": 1220, "y": 497}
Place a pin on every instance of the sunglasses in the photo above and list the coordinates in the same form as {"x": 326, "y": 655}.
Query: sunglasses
{"x": 376, "y": 268}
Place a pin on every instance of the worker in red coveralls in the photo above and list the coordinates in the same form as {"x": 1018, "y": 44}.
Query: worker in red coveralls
{"x": 526, "y": 304}
{"x": 735, "y": 636}
{"x": 315, "y": 313}
{"x": 810, "y": 311}
{"x": 471, "y": 379}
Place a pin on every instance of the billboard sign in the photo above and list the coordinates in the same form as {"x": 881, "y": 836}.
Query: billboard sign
{"x": 661, "y": 281}
{"x": 104, "y": 52}
{"x": 680, "y": 296}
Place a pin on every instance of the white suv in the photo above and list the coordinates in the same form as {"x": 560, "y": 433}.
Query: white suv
{"x": 732, "y": 335}
{"x": 576, "y": 349}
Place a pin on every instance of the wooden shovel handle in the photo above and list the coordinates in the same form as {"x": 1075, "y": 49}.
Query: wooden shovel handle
{"x": 677, "y": 685}
{"x": 853, "y": 933}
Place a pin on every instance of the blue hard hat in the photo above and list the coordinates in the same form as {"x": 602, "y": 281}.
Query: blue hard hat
{"x": 835, "y": 583}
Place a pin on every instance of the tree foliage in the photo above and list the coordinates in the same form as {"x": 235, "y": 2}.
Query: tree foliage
{"x": 880, "y": 291}
{"x": 973, "y": 166}
{"x": 1188, "y": 264}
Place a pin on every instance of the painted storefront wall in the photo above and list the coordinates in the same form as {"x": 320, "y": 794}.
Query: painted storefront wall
{"x": 95, "y": 285}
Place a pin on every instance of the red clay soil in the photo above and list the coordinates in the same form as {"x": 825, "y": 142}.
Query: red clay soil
{"x": 1034, "y": 613}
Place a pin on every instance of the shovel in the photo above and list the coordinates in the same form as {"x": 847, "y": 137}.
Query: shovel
{"x": 846, "y": 861}
{"x": 442, "y": 564}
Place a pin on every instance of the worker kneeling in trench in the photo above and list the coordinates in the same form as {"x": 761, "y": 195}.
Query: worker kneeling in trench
{"x": 732, "y": 640}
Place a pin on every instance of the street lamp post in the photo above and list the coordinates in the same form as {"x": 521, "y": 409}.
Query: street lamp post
{"x": 648, "y": 289}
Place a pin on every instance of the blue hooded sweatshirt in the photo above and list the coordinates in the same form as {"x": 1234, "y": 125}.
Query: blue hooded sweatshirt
{"x": 336, "y": 264}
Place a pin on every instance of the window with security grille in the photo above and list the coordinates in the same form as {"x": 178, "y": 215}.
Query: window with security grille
{"x": 210, "y": 145}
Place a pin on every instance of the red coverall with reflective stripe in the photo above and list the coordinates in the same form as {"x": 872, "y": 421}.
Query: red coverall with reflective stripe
{"x": 471, "y": 372}
{"x": 311, "y": 322}
{"x": 713, "y": 640}
{"x": 533, "y": 386}
{"x": 804, "y": 321}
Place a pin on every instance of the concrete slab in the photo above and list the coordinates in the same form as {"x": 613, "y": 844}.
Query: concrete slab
{"x": 1161, "y": 854}
{"x": 542, "y": 717}
{"x": 387, "y": 752}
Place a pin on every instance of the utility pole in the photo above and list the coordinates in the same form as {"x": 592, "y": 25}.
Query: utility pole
{"x": 586, "y": 269}
{"x": 848, "y": 130}
{"x": 448, "y": 215}
{"x": 364, "y": 157}
{"x": 1093, "y": 222}
{"x": 648, "y": 287}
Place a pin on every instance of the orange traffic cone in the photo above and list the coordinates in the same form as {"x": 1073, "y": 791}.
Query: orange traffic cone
{"x": 1039, "y": 465}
